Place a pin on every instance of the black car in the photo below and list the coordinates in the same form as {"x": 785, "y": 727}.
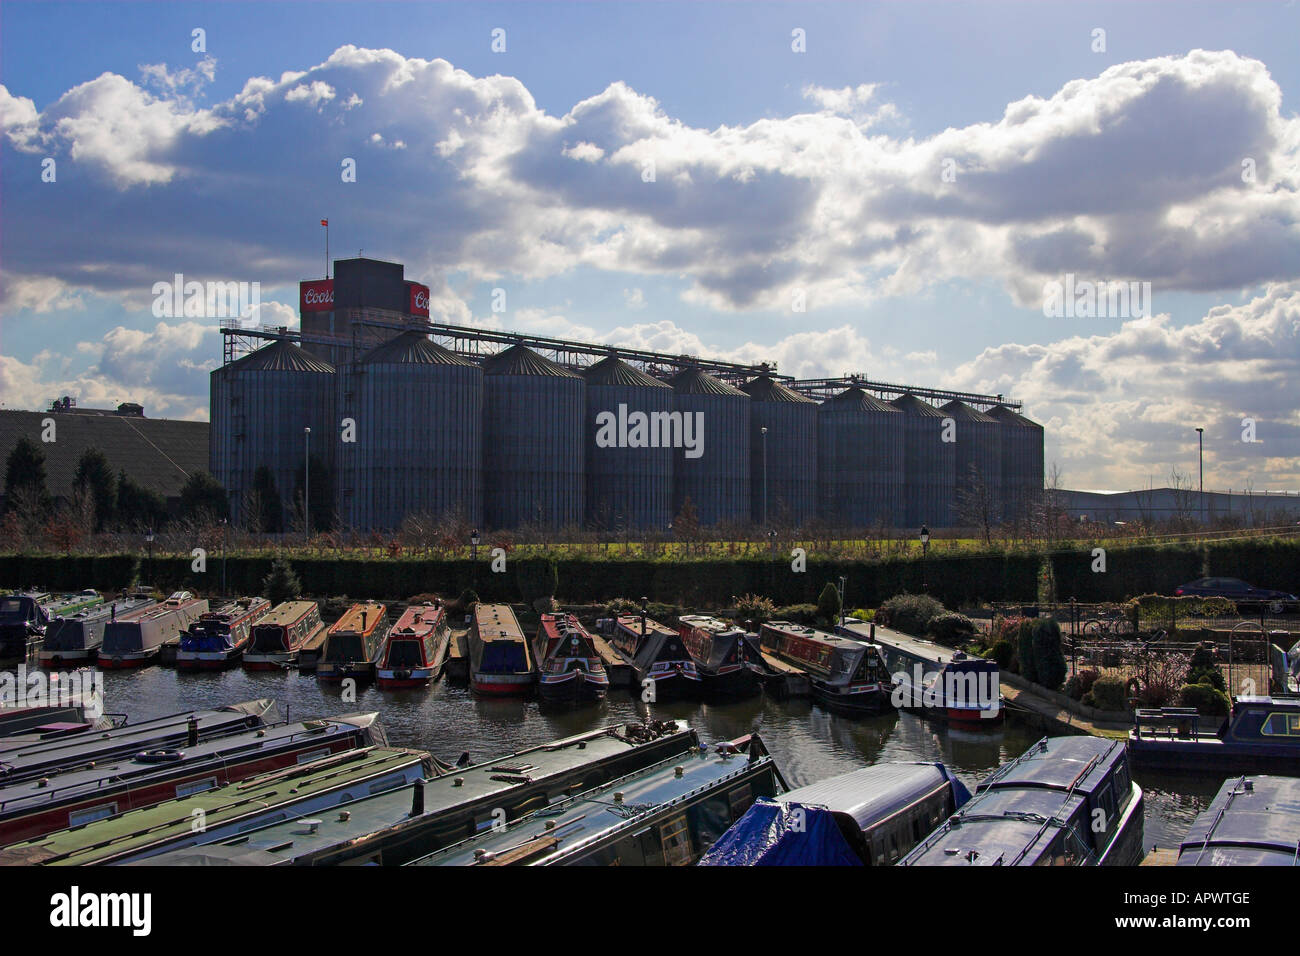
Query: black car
{"x": 1234, "y": 588}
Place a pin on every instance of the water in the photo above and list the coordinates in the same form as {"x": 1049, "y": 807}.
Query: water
{"x": 807, "y": 742}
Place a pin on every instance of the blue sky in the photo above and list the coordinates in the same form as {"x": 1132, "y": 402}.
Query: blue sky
{"x": 779, "y": 172}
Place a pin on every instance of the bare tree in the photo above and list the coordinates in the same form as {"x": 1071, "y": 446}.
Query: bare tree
{"x": 976, "y": 507}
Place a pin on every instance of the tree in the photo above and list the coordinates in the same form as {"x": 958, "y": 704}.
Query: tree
{"x": 25, "y": 476}
{"x": 1049, "y": 656}
{"x": 828, "y": 605}
{"x": 95, "y": 477}
{"x": 281, "y": 584}
{"x": 266, "y": 508}
{"x": 138, "y": 508}
{"x": 687, "y": 523}
{"x": 203, "y": 498}
{"x": 976, "y": 507}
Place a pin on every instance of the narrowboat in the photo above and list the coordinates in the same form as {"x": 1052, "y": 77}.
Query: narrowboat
{"x": 416, "y": 651}
{"x": 936, "y": 681}
{"x": 353, "y": 643}
{"x": 665, "y": 815}
{"x": 569, "y": 668}
{"x": 727, "y": 658}
{"x": 235, "y": 809}
{"x": 500, "y": 658}
{"x": 23, "y": 759}
{"x": 23, "y": 619}
{"x": 1067, "y": 801}
{"x": 867, "y": 817}
{"x": 661, "y": 665}
{"x": 218, "y": 638}
{"x": 398, "y": 826}
{"x": 1252, "y": 821}
{"x": 1261, "y": 734}
{"x": 106, "y": 788}
{"x": 278, "y": 637}
{"x": 75, "y": 639}
{"x": 138, "y": 642}
{"x": 845, "y": 675}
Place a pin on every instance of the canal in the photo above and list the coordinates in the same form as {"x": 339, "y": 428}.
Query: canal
{"x": 808, "y": 742}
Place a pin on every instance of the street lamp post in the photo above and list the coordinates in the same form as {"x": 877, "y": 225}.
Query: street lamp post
{"x": 306, "y": 484}
{"x": 148, "y": 538}
{"x": 473, "y": 545}
{"x": 645, "y": 609}
{"x": 925, "y": 550}
{"x": 224, "y": 526}
{"x": 1200, "y": 457}
{"x": 763, "y": 432}
{"x": 843, "y": 580}
{"x": 771, "y": 536}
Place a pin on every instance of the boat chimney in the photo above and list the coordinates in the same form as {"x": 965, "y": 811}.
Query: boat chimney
{"x": 873, "y": 630}
{"x": 192, "y": 732}
{"x": 363, "y": 622}
{"x": 417, "y": 799}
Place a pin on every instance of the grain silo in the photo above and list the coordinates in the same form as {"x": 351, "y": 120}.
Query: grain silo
{"x": 1022, "y": 463}
{"x": 533, "y": 442}
{"x": 783, "y": 474}
{"x": 629, "y": 466}
{"x": 418, "y": 412}
{"x": 261, "y": 404}
{"x": 979, "y": 465}
{"x": 860, "y": 459}
{"x": 929, "y": 465}
{"x": 715, "y": 473}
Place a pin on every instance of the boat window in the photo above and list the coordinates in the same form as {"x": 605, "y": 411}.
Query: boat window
{"x": 675, "y": 837}
{"x": 741, "y": 797}
{"x": 344, "y": 647}
{"x": 405, "y": 654}
{"x": 1281, "y": 725}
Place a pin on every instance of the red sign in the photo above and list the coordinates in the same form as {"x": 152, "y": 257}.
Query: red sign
{"x": 316, "y": 296}
{"x": 419, "y": 304}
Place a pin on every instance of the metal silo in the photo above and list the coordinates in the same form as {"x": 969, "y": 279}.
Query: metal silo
{"x": 629, "y": 471}
{"x": 783, "y": 474}
{"x": 860, "y": 461}
{"x": 418, "y": 413}
{"x": 1022, "y": 463}
{"x": 260, "y": 405}
{"x": 533, "y": 445}
{"x": 715, "y": 473}
{"x": 930, "y": 465}
{"x": 979, "y": 464}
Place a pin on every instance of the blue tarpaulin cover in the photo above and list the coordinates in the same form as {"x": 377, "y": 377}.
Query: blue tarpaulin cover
{"x": 782, "y": 834}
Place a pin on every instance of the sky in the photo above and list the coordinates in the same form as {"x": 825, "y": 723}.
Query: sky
{"x": 892, "y": 189}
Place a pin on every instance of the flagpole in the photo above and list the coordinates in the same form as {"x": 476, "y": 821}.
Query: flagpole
{"x": 327, "y": 248}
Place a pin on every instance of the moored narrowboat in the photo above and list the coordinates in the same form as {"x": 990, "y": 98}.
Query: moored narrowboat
{"x": 846, "y": 675}
{"x": 867, "y": 817}
{"x": 278, "y": 637}
{"x": 661, "y": 666}
{"x": 501, "y": 660}
{"x": 1261, "y": 734}
{"x": 1252, "y": 821}
{"x": 1066, "y": 801}
{"x": 218, "y": 638}
{"x": 416, "y": 652}
{"x": 23, "y": 619}
{"x": 354, "y": 643}
{"x": 727, "y": 658}
{"x": 569, "y": 668}
{"x": 137, "y": 642}
{"x": 76, "y": 638}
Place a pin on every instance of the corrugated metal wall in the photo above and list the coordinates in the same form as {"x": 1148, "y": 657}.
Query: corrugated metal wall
{"x": 783, "y": 478}
{"x": 259, "y": 408}
{"x": 533, "y": 445}
{"x": 979, "y": 452}
{"x": 860, "y": 461}
{"x": 1022, "y": 463}
{"x": 717, "y": 481}
{"x": 930, "y": 465}
{"x": 627, "y": 487}
{"x": 419, "y": 424}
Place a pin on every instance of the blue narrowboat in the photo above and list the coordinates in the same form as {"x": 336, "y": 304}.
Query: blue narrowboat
{"x": 1261, "y": 734}
{"x": 1067, "y": 801}
{"x": 1253, "y": 821}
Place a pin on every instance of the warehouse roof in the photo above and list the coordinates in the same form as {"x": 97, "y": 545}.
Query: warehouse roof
{"x": 413, "y": 348}
{"x": 280, "y": 356}
{"x": 158, "y": 453}
{"x": 614, "y": 371}
{"x": 766, "y": 389}
{"x": 520, "y": 360}
{"x": 693, "y": 381}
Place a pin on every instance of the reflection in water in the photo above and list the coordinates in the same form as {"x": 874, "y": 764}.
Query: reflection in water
{"x": 808, "y": 742}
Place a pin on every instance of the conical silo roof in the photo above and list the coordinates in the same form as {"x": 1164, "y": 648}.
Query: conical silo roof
{"x": 766, "y": 389}
{"x": 912, "y": 405}
{"x": 856, "y": 399}
{"x": 614, "y": 371}
{"x": 413, "y": 348}
{"x": 521, "y": 360}
{"x": 963, "y": 412}
{"x": 280, "y": 356}
{"x": 693, "y": 381}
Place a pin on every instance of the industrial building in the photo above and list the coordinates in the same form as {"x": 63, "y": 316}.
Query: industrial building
{"x": 504, "y": 430}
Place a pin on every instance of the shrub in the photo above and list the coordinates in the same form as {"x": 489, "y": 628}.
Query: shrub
{"x": 754, "y": 607}
{"x": 1204, "y": 668}
{"x": 1080, "y": 684}
{"x": 1002, "y": 651}
{"x": 1109, "y": 693}
{"x": 281, "y": 584}
{"x": 619, "y": 606}
{"x": 864, "y": 614}
{"x": 537, "y": 578}
{"x": 468, "y": 598}
{"x": 1209, "y": 701}
{"x": 796, "y": 614}
{"x": 1049, "y": 658}
{"x": 909, "y": 613}
{"x": 1006, "y": 628}
{"x": 828, "y": 605}
{"x": 1163, "y": 675}
{"x": 1025, "y": 651}
{"x": 951, "y": 628}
